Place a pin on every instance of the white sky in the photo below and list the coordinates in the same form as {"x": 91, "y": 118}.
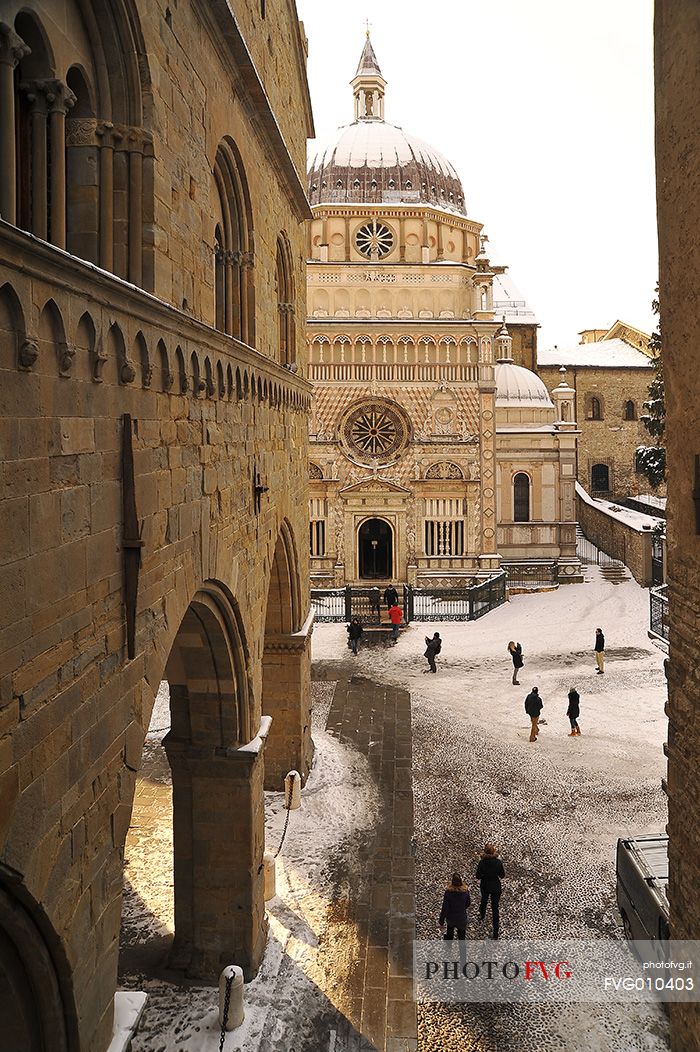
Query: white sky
{"x": 545, "y": 107}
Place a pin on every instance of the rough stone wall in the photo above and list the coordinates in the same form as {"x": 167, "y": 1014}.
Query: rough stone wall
{"x": 618, "y": 539}
{"x": 612, "y": 440}
{"x": 78, "y": 349}
{"x": 677, "y": 46}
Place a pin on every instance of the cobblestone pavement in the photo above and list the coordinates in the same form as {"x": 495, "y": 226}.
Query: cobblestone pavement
{"x": 555, "y": 807}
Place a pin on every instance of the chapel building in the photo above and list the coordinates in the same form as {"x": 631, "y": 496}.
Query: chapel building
{"x": 436, "y": 453}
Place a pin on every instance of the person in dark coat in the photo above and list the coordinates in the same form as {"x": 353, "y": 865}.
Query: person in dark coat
{"x": 533, "y": 707}
{"x": 599, "y": 649}
{"x": 490, "y": 872}
{"x": 455, "y": 903}
{"x": 432, "y": 649}
{"x": 374, "y": 600}
{"x": 391, "y": 596}
{"x": 573, "y": 712}
{"x": 354, "y": 631}
{"x": 516, "y": 652}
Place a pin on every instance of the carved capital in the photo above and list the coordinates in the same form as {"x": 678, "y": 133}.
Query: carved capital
{"x": 12, "y": 47}
{"x": 81, "y": 131}
{"x": 168, "y": 380}
{"x": 28, "y": 354}
{"x": 59, "y": 96}
{"x": 147, "y": 376}
{"x": 66, "y": 354}
{"x": 103, "y": 133}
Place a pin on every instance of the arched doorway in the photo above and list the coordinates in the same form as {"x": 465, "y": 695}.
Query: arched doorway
{"x": 375, "y": 550}
{"x": 216, "y": 772}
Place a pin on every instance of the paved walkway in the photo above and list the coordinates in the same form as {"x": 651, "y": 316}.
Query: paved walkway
{"x": 376, "y": 720}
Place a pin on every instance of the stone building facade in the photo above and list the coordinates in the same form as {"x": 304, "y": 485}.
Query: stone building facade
{"x": 435, "y": 451}
{"x": 610, "y": 372}
{"x": 677, "y": 46}
{"x": 154, "y": 434}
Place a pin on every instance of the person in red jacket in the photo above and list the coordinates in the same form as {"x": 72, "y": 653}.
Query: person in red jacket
{"x": 396, "y": 617}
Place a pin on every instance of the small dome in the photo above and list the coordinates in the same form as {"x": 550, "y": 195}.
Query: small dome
{"x": 518, "y": 388}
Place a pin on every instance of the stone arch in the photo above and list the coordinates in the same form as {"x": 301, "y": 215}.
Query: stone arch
{"x": 12, "y": 329}
{"x": 195, "y": 375}
{"x": 444, "y": 470}
{"x": 233, "y": 238}
{"x": 117, "y": 356}
{"x": 595, "y": 406}
{"x": 52, "y": 335}
{"x": 229, "y": 381}
{"x": 208, "y": 377}
{"x": 141, "y": 356}
{"x": 85, "y": 347}
{"x": 284, "y": 285}
{"x": 38, "y": 1003}
{"x": 166, "y": 376}
{"x": 181, "y": 371}
{"x": 239, "y": 385}
{"x": 220, "y": 382}
{"x": 264, "y": 389}
{"x": 260, "y": 390}
{"x": 286, "y": 667}
{"x": 246, "y": 387}
{"x": 215, "y": 755}
{"x": 315, "y": 471}
{"x": 522, "y": 490}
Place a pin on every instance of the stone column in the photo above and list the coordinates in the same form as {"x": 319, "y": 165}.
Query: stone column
{"x": 402, "y": 240}
{"x": 247, "y": 323}
{"x": 347, "y": 239}
{"x": 286, "y": 697}
{"x": 440, "y": 240}
{"x": 104, "y": 133}
{"x": 36, "y": 96}
{"x": 218, "y": 841}
{"x": 12, "y": 50}
{"x": 135, "y": 209}
{"x": 60, "y": 99}
{"x": 488, "y": 559}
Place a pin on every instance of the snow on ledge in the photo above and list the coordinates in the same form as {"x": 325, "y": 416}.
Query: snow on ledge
{"x": 128, "y": 1009}
{"x": 635, "y": 520}
{"x": 258, "y": 741}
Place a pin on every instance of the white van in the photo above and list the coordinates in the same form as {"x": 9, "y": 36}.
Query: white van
{"x": 642, "y": 883}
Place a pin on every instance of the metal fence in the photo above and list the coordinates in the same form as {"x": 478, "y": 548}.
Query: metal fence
{"x": 658, "y": 612}
{"x": 419, "y": 604}
{"x": 588, "y": 553}
{"x": 531, "y": 575}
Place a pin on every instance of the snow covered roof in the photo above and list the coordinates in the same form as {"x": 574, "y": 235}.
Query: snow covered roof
{"x": 518, "y": 388}
{"x": 508, "y": 300}
{"x": 610, "y": 354}
{"x": 368, "y": 61}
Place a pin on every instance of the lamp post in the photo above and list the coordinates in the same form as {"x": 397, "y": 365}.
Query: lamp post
{"x": 374, "y": 542}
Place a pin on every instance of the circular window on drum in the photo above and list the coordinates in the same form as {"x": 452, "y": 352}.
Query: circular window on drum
{"x": 375, "y": 432}
{"x": 374, "y": 240}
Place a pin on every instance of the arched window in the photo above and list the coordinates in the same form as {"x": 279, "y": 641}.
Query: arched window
{"x": 595, "y": 411}
{"x": 521, "y": 497}
{"x": 233, "y": 248}
{"x": 71, "y": 178}
{"x": 600, "y": 478}
{"x": 630, "y": 410}
{"x": 285, "y": 302}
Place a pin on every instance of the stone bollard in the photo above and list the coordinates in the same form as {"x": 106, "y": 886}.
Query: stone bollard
{"x": 270, "y": 876}
{"x": 292, "y": 790}
{"x": 236, "y": 1013}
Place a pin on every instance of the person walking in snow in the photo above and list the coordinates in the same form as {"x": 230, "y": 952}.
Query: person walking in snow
{"x": 490, "y": 873}
{"x": 455, "y": 903}
{"x": 432, "y": 649}
{"x": 533, "y": 707}
{"x": 396, "y": 617}
{"x": 573, "y": 712}
{"x": 599, "y": 649}
{"x": 391, "y": 596}
{"x": 516, "y": 652}
{"x": 354, "y": 631}
{"x": 374, "y": 600}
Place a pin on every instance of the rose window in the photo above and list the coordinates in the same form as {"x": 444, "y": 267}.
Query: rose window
{"x": 374, "y": 240}
{"x": 375, "y": 432}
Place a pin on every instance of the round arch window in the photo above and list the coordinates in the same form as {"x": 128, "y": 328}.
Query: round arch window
{"x": 374, "y": 240}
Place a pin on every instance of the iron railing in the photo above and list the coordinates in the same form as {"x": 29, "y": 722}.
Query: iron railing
{"x": 658, "y": 612}
{"x": 587, "y": 551}
{"x": 419, "y": 604}
{"x": 531, "y": 574}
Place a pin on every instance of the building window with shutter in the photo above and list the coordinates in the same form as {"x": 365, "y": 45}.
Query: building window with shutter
{"x": 317, "y": 538}
{"x": 444, "y": 526}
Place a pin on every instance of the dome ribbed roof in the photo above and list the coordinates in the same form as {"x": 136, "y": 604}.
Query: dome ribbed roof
{"x": 373, "y": 162}
{"x": 518, "y": 388}
{"x": 374, "y": 152}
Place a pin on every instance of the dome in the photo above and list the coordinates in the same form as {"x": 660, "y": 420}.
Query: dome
{"x": 518, "y": 388}
{"x": 379, "y": 163}
{"x": 373, "y": 162}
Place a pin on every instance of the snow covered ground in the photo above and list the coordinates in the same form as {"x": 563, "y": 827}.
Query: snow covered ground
{"x": 555, "y": 807}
